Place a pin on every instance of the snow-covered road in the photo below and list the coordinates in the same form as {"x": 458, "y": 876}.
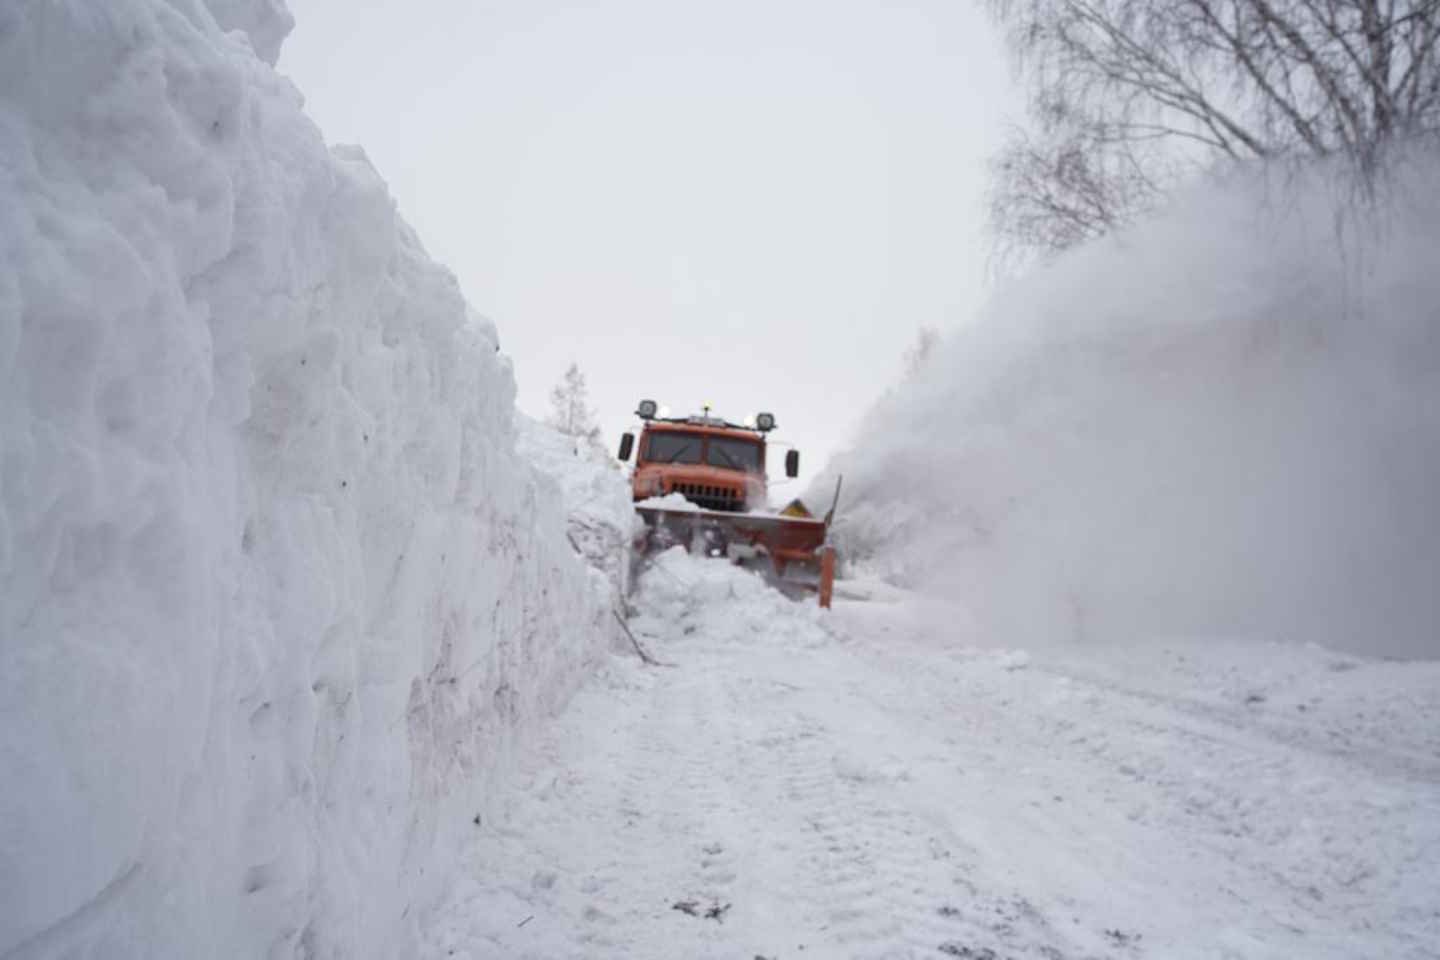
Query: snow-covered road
{"x": 861, "y": 784}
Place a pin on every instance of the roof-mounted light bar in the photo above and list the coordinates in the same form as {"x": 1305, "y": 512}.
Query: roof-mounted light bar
{"x": 648, "y": 410}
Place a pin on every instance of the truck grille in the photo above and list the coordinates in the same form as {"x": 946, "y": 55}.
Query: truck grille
{"x": 709, "y": 497}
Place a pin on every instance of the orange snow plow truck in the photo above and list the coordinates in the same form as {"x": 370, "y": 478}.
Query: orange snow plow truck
{"x": 700, "y": 482}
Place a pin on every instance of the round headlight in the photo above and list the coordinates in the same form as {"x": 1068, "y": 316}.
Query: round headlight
{"x": 647, "y": 409}
{"x": 765, "y": 421}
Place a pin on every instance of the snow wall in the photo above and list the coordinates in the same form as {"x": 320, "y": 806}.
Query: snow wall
{"x": 1222, "y": 422}
{"x": 277, "y": 596}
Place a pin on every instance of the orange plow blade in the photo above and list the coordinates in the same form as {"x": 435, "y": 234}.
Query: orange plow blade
{"x": 788, "y": 541}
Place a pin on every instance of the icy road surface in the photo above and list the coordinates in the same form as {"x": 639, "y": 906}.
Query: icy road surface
{"x": 864, "y": 785}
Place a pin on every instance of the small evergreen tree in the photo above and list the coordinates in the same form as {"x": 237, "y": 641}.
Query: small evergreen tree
{"x": 570, "y": 411}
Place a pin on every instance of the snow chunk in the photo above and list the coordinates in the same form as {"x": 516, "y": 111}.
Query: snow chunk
{"x": 671, "y": 501}
{"x": 1012, "y": 660}
{"x": 266, "y": 23}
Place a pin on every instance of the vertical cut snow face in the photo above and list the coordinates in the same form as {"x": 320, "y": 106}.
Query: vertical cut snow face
{"x": 1225, "y": 422}
{"x": 277, "y": 598}
{"x": 600, "y": 519}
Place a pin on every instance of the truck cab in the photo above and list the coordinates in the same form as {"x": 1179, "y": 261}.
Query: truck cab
{"x": 712, "y": 463}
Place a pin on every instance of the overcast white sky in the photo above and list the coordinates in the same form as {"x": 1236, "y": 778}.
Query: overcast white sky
{"x": 754, "y": 203}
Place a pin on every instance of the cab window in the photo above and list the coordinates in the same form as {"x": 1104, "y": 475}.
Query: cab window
{"x": 673, "y": 448}
{"x": 733, "y": 454}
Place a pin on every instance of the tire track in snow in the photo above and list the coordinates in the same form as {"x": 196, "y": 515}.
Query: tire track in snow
{"x": 874, "y": 890}
{"x": 718, "y": 786}
{"x": 882, "y": 879}
{"x": 1286, "y": 849}
{"x": 1376, "y": 759}
{"x": 876, "y": 798}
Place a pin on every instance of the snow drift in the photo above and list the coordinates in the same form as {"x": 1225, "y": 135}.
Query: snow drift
{"x": 1223, "y": 422}
{"x": 277, "y": 597}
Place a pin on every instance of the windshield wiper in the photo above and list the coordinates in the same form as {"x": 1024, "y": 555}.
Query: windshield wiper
{"x": 676, "y": 455}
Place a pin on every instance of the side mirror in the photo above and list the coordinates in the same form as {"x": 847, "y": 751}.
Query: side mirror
{"x": 792, "y": 463}
{"x": 627, "y": 443}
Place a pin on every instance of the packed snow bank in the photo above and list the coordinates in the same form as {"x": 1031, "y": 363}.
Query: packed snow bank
{"x": 277, "y": 597}
{"x": 600, "y": 518}
{"x": 1225, "y": 422}
{"x": 680, "y": 594}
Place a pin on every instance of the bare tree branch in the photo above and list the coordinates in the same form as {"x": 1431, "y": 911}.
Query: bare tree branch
{"x": 1129, "y": 94}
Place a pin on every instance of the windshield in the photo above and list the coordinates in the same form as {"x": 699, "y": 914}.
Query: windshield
{"x": 673, "y": 448}
{"x": 734, "y": 454}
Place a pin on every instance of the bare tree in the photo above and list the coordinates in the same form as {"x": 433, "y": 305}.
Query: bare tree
{"x": 570, "y": 411}
{"x": 1054, "y": 190}
{"x": 1128, "y": 94}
